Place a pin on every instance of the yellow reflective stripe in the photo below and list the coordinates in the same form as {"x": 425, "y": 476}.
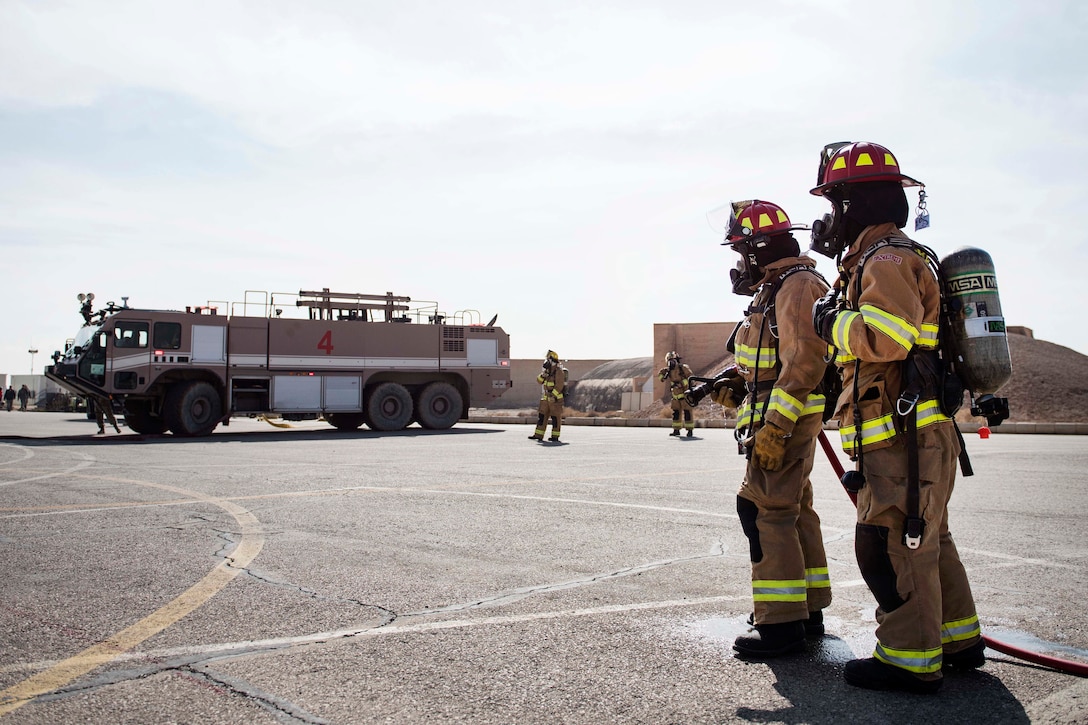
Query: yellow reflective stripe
{"x": 840, "y": 331}
{"x": 748, "y": 415}
{"x": 879, "y": 429}
{"x": 894, "y": 327}
{"x": 784, "y": 403}
{"x": 960, "y": 629}
{"x": 843, "y": 357}
{"x": 922, "y": 661}
{"x": 873, "y": 430}
{"x": 814, "y": 404}
{"x": 817, "y": 578}
{"x": 929, "y": 412}
{"x": 928, "y": 337}
{"x": 779, "y": 590}
{"x": 755, "y": 357}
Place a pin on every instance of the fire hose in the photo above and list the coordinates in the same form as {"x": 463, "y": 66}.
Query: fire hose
{"x": 1073, "y": 668}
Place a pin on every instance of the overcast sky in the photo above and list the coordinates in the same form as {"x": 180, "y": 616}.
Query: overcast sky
{"x": 553, "y": 163}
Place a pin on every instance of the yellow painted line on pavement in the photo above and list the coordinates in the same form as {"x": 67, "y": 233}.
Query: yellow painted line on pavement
{"x": 67, "y": 670}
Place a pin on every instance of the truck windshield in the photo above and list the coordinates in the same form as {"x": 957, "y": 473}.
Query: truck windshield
{"x": 82, "y": 339}
{"x": 92, "y": 366}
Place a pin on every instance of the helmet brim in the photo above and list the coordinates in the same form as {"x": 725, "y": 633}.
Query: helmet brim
{"x": 905, "y": 180}
{"x": 756, "y": 237}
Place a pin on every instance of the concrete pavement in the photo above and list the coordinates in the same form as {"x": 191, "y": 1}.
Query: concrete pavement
{"x": 303, "y": 574}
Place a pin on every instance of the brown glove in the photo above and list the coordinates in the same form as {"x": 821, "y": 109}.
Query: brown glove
{"x": 728, "y": 392}
{"x": 770, "y": 447}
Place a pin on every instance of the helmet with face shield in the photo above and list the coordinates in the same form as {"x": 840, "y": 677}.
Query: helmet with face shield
{"x": 760, "y": 232}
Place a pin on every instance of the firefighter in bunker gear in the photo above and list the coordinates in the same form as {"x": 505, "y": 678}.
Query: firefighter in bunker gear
{"x": 904, "y": 446}
{"x": 553, "y": 386}
{"x": 676, "y": 374}
{"x": 780, "y": 360}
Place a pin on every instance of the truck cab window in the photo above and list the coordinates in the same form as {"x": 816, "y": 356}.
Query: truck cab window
{"x": 130, "y": 334}
{"x": 167, "y": 336}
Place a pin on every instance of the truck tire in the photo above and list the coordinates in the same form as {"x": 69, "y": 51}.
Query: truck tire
{"x": 345, "y": 421}
{"x": 139, "y": 419}
{"x": 192, "y": 409}
{"x": 389, "y": 407}
{"x": 439, "y": 406}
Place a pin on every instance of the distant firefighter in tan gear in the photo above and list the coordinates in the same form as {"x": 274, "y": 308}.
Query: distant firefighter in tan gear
{"x": 553, "y": 387}
{"x": 780, "y": 404}
{"x": 676, "y": 374}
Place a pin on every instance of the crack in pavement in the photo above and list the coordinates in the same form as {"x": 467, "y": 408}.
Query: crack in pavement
{"x": 271, "y": 580}
{"x": 195, "y": 669}
{"x": 519, "y": 594}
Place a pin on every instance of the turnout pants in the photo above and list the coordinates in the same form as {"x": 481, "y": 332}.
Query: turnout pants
{"x": 549, "y": 409}
{"x": 924, "y": 600}
{"x": 789, "y": 565}
{"x": 682, "y": 407}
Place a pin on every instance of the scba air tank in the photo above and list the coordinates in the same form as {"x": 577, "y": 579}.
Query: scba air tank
{"x": 979, "y": 340}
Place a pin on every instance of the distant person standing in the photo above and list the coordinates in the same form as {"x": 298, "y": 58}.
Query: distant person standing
{"x": 676, "y": 374}
{"x": 9, "y": 398}
{"x": 102, "y": 406}
{"x": 24, "y": 396}
{"x": 553, "y": 386}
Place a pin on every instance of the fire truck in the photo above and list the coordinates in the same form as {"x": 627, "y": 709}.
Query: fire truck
{"x": 349, "y": 358}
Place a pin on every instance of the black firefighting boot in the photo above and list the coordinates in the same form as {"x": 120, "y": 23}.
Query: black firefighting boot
{"x": 772, "y": 640}
{"x": 814, "y": 625}
{"x": 872, "y": 674}
{"x": 536, "y": 437}
{"x": 553, "y": 439}
{"x": 690, "y": 432}
{"x": 966, "y": 659}
{"x": 675, "y": 433}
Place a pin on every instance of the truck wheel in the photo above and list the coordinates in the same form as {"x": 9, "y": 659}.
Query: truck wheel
{"x": 345, "y": 421}
{"x": 192, "y": 409}
{"x": 138, "y": 418}
{"x": 439, "y": 406}
{"x": 389, "y": 407}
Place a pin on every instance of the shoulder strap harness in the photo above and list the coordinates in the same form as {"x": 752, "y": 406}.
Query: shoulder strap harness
{"x": 924, "y": 372}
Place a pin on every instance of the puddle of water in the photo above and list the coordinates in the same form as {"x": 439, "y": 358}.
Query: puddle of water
{"x": 1030, "y": 642}
{"x": 841, "y": 644}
